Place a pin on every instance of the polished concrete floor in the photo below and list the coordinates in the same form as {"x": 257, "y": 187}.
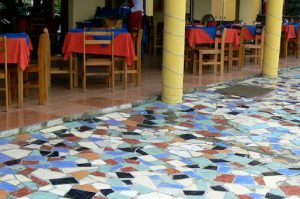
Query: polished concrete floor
{"x": 63, "y": 102}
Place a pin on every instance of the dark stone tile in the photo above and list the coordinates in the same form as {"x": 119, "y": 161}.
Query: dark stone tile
{"x": 254, "y": 163}
{"x": 124, "y": 175}
{"x": 84, "y": 165}
{"x": 211, "y": 167}
{"x": 12, "y": 162}
{"x": 128, "y": 182}
{"x": 273, "y": 173}
{"x": 273, "y": 196}
{"x": 193, "y": 166}
{"x": 82, "y": 149}
{"x": 193, "y": 193}
{"x": 242, "y": 155}
{"x": 219, "y": 188}
{"x": 45, "y": 153}
{"x": 131, "y": 133}
{"x": 180, "y": 176}
{"x": 106, "y": 192}
{"x": 133, "y": 158}
{"x": 38, "y": 142}
{"x": 219, "y": 148}
{"x": 60, "y": 145}
{"x": 92, "y": 120}
{"x": 218, "y": 160}
{"x": 129, "y": 149}
{"x": 141, "y": 152}
{"x": 188, "y": 110}
{"x": 60, "y": 181}
{"x": 233, "y": 113}
{"x": 149, "y": 117}
{"x": 53, "y": 154}
{"x": 79, "y": 194}
{"x": 150, "y": 111}
{"x": 59, "y": 132}
{"x": 188, "y": 136}
{"x": 148, "y": 122}
{"x": 84, "y": 128}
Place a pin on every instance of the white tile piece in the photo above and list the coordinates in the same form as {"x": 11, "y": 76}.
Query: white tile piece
{"x": 46, "y": 174}
{"x": 215, "y": 194}
{"x": 17, "y": 153}
{"x": 145, "y": 181}
{"x": 101, "y": 186}
{"x": 55, "y": 128}
{"x": 89, "y": 145}
{"x": 237, "y": 189}
{"x": 176, "y": 163}
{"x": 7, "y": 177}
{"x": 22, "y": 178}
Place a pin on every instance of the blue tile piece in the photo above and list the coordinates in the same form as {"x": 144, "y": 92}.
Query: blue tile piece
{"x": 6, "y": 171}
{"x": 5, "y": 158}
{"x": 192, "y": 175}
{"x": 170, "y": 185}
{"x": 289, "y": 172}
{"x": 115, "y": 188}
{"x": 63, "y": 164}
{"x": 243, "y": 180}
{"x": 7, "y": 187}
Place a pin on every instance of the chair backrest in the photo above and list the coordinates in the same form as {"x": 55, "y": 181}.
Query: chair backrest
{"x": 42, "y": 51}
{"x": 298, "y": 37}
{"x": 3, "y": 50}
{"x": 260, "y": 36}
{"x": 241, "y": 38}
{"x": 97, "y": 36}
{"x": 220, "y": 35}
{"x": 48, "y": 49}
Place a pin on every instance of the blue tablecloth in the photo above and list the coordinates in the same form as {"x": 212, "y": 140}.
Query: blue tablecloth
{"x": 18, "y": 35}
{"x": 251, "y": 29}
{"x": 211, "y": 31}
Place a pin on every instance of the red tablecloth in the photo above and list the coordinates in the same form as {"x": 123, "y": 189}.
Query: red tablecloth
{"x": 123, "y": 46}
{"x": 248, "y": 35}
{"x": 199, "y": 36}
{"x": 290, "y": 31}
{"x": 18, "y": 52}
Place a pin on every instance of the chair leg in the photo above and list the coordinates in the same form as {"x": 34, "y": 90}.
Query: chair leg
{"x": 42, "y": 83}
{"x": 215, "y": 66}
{"x": 112, "y": 77}
{"x": 84, "y": 78}
{"x": 26, "y": 92}
{"x": 125, "y": 74}
{"x": 71, "y": 66}
{"x": 75, "y": 68}
{"x": 6, "y": 91}
{"x": 222, "y": 65}
{"x": 200, "y": 64}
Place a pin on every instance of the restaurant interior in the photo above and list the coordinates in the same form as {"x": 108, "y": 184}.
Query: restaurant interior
{"x": 47, "y": 75}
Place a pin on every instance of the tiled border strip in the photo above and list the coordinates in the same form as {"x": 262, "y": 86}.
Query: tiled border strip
{"x": 87, "y": 115}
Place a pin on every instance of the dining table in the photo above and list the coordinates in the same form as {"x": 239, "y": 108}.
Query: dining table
{"x": 18, "y": 52}
{"x": 123, "y": 46}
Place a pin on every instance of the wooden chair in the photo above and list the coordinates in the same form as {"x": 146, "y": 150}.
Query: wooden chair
{"x": 255, "y": 50}
{"x": 136, "y": 68}
{"x": 56, "y": 65}
{"x": 39, "y": 68}
{"x": 217, "y": 53}
{"x": 235, "y": 55}
{"x": 4, "y": 72}
{"x": 294, "y": 44}
{"x": 98, "y": 61}
{"x": 158, "y": 36}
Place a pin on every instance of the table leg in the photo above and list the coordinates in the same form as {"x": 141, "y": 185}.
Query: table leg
{"x": 20, "y": 87}
{"x": 230, "y": 58}
{"x": 75, "y": 67}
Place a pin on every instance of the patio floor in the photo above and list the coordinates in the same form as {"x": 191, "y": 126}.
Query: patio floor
{"x": 63, "y": 102}
{"x": 210, "y": 146}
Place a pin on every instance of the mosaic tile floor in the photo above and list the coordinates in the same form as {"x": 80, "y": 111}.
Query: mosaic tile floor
{"x": 211, "y": 146}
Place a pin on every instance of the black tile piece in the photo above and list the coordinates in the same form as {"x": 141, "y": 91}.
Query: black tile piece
{"x": 60, "y": 145}
{"x": 150, "y": 111}
{"x": 59, "y": 132}
{"x": 128, "y": 182}
{"x": 53, "y": 154}
{"x": 84, "y": 128}
{"x": 131, "y": 133}
{"x": 218, "y": 160}
{"x": 12, "y": 162}
{"x": 128, "y": 149}
{"x": 133, "y": 158}
{"x": 233, "y": 113}
{"x": 193, "y": 166}
{"x": 124, "y": 175}
{"x": 84, "y": 165}
{"x": 79, "y": 194}
{"x": 82, "y": 149}
{"x": 148, "y": 122}
{"x": 106, "y": 192}
{"x": 272, "y": 173}
{"x": 211, "y": 167}
{"x": 219, "y": 148}
{"x": 193, "y": 193}
{"x": 59, "y": 181}
{"x": 188, "y": 136}
{"x": 146, "y": 126}
{"x": 243, "y": 106}
{"x": 45, "y": 153}
{"x": 180, "y": 177}
{"x": 254, "y": 163}
{"x": 92, "y": 120}
{"x": 38, "y": 142}
{"x": 273, "y": 196}
{"x": 242, "y": 155}
{"x": 141, "y": 152}
{"x": 219, "y": 188}
{"x": 298, "y": 169}
{"x": 188, "y": 110}
{"x": 65, "y": 135}
{"x": 149, "y": 117}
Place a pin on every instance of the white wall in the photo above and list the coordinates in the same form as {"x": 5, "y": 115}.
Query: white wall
{"x": 80, "y": 10}
{"x": 249, "y": 10}
{"x": 201, "y": 8}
